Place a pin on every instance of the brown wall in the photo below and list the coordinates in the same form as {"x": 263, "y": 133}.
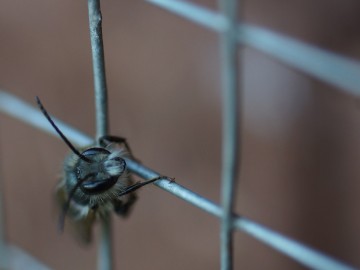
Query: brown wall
{"x": 300, "y": 172}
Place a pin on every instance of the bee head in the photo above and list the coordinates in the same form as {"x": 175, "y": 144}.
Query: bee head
{"x": 102, "y": 170}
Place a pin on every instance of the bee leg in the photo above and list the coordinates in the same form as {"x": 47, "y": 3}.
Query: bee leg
{"x": 138, "y": 185}
{"x": 123, "y": 208}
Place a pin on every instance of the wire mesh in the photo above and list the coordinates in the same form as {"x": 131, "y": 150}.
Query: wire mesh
{"x": 279, "y": 47}
{"x": 297, "y": 251}
{"x": 327, "y": 66}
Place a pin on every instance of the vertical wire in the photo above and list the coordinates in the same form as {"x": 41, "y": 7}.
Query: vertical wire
{"x": 105, "y": 249}
{"x": 105, "y": 258}
{"x": 4, "y": 259}
{"x": 97, "y": 48}
{"x": 230, "y": 136}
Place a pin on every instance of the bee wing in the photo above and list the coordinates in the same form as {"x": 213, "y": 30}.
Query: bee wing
{"x": 80, "y": 228}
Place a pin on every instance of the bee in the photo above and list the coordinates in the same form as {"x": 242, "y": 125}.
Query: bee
{"x": 94, "y": 182}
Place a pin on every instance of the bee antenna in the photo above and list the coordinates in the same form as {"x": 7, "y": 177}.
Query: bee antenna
{"x": 66, "y": 207}
{"x": 68, "y": 143}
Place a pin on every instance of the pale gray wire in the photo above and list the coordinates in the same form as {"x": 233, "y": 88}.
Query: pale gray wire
{"x": 12, "y": 257}
{"x": 97, "y": 49}
{"x": 297, "y": 54}
{"x": 105, "y": 250}
{"x": 299, "y": 252}
{"x": 4, "y": 258}
{"x": 194, "y": 13}
{"x": 330, "y": 67}
{"x": 230, "y": 128}
{"x": 334, "y": 69}
{"x": 23, "y": 111}
{"x": 20, "y": 260}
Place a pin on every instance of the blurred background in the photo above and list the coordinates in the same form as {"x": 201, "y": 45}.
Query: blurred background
{"x": 301, "y": 137}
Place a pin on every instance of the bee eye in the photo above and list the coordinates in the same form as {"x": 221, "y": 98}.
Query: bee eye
{"x": 91, "y": 152}
{"x": 115, "y": 166}
{"x": 96, "y": 186}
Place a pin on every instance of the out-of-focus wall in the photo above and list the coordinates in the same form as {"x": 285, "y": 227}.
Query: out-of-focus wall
{"x": 301, "y": 137}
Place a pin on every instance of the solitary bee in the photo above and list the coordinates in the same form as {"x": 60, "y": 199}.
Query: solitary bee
{"x": 94, "y": 182}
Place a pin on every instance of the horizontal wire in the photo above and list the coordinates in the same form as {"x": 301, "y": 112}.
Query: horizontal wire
{"x": 20, "y": 260}
{"x": 194, "y": 13}
{"x": 23, "y": 111}
{"x": 299, "y": 252}
{"x": 330, "y": 67}
{"x": 307, "y": 256}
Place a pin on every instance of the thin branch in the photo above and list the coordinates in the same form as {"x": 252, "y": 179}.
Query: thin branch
{"x": 299, "y": 252}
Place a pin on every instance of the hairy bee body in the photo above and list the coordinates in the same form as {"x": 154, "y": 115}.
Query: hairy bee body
{"x": 94, "y": 182}
{"x": 87, "y": 205}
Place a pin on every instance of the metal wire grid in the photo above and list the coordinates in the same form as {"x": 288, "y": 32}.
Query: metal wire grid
{"x": 331, "y": 68}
